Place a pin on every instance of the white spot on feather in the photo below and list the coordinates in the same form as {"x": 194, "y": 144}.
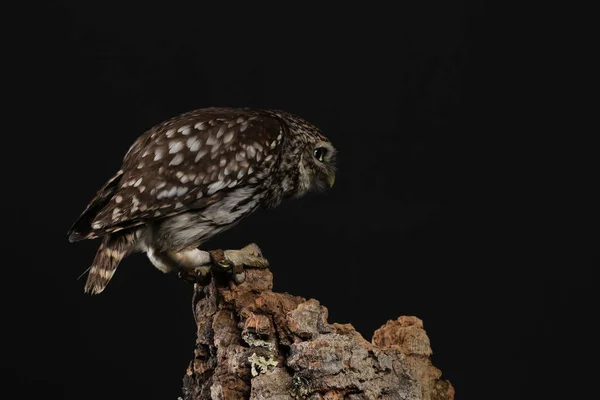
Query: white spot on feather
{"x": 227, "y": 138}
{"x": 211, "y": 140}
{"x": 178, "y": 159}
{"x": 184, "y": 130}
{"x": 200, "y": 155}
{"x": 213, "y": 187}
{"x": 251, "y": 151}
{"x": 137, "y": 183}
{"x": 195, "y": 146}
{"x": 109, "y": 252}
{"x": 200, "y": 126}
{"x": 175, "y": 146}
{"x": 193, "y": 141}
{"x": 221, "y": 131}
{"x": 158, "y": 153}
{"x": 170, "y": 133}
{"x": 182, "y": 190}
{"x": 118, "y": 199}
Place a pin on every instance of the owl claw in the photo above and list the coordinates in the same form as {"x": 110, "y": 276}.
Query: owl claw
{"x": 225, "y": 264}
{"x": 233, "y": 261}
{"x": 199, "y": 276}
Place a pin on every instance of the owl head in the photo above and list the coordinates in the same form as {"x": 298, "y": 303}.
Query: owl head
{"x": 316, "y": 166}
{"x": 308, "y": 159}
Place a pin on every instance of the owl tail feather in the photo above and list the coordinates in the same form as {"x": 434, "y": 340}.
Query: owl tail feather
{"x": 110, "y": 253}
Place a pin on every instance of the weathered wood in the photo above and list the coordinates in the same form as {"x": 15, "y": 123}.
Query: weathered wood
{"x": 253, "y": 343}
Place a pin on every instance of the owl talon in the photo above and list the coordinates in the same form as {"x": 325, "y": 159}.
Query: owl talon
{"x": 186, "y": 276}
{"x": 233, "y": 261}
{"x": 220, "y": 261}
{"x": 193, "y": 276}
{"x": 225, "y": 264}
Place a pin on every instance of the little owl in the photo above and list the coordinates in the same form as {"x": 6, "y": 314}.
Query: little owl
{"x": 194, "y": 176}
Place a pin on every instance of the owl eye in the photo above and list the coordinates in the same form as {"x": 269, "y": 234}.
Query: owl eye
{"x": 320, "y": 153}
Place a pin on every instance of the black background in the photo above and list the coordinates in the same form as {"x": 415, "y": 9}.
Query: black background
{"x": 420, "y": 221}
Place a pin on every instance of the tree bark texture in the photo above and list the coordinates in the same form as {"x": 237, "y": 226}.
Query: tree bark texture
{"x": 253, "y": 343}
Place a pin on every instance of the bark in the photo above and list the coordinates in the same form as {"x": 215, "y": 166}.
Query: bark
{"x": 253, "y": 343}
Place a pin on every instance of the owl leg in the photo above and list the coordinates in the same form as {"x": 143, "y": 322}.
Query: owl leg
{"x": 194, "y": 264}
{"x": 235, "y": 260}
{"x": 161, "y": 260}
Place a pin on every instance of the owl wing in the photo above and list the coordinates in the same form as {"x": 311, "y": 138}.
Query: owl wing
{"x": 185, "y": 163}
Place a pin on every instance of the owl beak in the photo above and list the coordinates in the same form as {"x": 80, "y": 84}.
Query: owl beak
{"x": 331, "y": 179}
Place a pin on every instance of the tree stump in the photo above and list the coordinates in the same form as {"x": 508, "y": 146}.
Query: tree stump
{"x": 253, "y": 343}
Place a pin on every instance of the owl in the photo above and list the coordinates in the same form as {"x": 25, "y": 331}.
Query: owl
{"x": 189, "y": 178}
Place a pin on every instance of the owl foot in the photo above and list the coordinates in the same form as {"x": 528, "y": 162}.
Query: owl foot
{"x": 200, "y": 275}
{"x": 235, "y": 260}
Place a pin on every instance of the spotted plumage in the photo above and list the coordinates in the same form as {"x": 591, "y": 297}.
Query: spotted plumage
{"x": 195, "y": 175}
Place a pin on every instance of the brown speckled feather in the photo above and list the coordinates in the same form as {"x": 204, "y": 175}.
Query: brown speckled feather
{"x": 186, "y": 163}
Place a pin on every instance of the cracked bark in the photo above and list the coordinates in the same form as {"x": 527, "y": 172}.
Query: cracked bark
{"x": 253, "y": 343}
